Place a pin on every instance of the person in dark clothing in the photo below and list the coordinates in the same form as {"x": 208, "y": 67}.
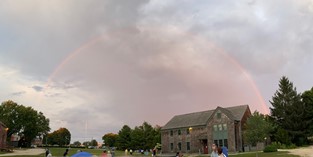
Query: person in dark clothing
{"x": 65, "y": 153}
{"x": 47, "y": 152}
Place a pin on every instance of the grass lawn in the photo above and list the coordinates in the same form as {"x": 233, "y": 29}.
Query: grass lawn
{"x": 72, "y": 151}
{"x": 60, "y": 151}
{"x": 261, "y": 154}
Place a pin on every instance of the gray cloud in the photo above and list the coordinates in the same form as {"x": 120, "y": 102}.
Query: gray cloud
{"x": 18, "y": 93}
{"x": 37, "y": 88}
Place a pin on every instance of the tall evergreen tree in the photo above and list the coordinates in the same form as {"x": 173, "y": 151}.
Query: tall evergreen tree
{"x": 307, "y": 98}
{"x": 288, "y": 111}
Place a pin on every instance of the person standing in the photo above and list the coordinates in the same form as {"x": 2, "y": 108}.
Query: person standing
{"x": 126, "y": 152}
{"x": 112, "y": 152}
{"x": 214, "y": 151}
{"x": 131, "y": 152}
{"x": 104, "y": 154}
{"x": 47, "y": 151}
{"x": 65, "y": 153}
{"x": 154, "y": 152}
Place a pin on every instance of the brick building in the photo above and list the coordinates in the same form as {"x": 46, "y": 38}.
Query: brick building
{"x": 196, "y": 132}
{"x": 3, "y": 135}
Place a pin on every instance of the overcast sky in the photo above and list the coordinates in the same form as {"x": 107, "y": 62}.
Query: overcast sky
{"x": 93, "y": 66}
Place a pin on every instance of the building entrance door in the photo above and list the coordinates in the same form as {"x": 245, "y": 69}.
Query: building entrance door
{"x": 205, "y": 146}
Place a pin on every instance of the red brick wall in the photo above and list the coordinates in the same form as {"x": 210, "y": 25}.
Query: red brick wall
{"x": 3, "y": 136}
{"x": 193, "y": 138}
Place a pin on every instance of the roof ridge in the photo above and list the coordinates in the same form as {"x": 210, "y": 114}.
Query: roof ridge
{"x": 211, "y": 110}
{"x": 193, "y": 113}
{"x": 237, "y": 106}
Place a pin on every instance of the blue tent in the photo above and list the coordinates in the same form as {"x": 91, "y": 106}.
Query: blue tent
{"x": 82, "y": 154}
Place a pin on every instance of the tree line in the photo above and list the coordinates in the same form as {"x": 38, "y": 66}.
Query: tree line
{"x": 140, "y": 137}
{"x": 290, "y": 121}
{"x": 61, "y": 137}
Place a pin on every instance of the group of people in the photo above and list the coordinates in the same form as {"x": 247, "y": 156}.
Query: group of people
{"x": 217, "y": 151}
{"x": 154, "y": 151}
{"x": 48, "y": 152}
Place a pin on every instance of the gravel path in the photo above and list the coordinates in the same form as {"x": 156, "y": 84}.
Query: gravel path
{"x": 303, "y": 152}
{"x": 21, "y": 152}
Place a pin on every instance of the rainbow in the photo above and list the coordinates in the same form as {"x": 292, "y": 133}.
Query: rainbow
{"x": 232, "y": 60}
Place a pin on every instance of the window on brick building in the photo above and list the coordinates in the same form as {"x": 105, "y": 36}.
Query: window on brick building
{"x": 187, "y": 131}
{"x": 215, "y": 127}
{"x": 179, "y": 132}
{"x": 219, "y": 115}
{"x": 220, "y": 143}
{"x": 188, "y": 145}
{"x": 179, "y": 145}
{"x": 220, "y": 127}
{"x": 172, "y": 146}
{"x": 224, "y": 126}
{"x": 226, "y": 143}
{"x": 171, "y": 132}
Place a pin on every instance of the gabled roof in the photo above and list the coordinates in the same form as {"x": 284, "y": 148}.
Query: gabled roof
{"x": 187, "y": 120}
{"x": 201, "y": 118}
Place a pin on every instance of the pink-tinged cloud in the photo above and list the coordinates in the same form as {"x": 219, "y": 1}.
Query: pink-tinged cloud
{"x": 153, "y": 75}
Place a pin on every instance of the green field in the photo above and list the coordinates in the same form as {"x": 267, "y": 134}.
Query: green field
{"x": 60, "y": 151}
{"x": 261, "y": 154}
{"x": 72, "y": 151}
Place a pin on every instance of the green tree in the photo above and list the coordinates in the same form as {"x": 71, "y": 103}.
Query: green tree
{"x": 288, "y": 111}
{"x": 149, "y": 135}
{"x": 25, "y": 121}
{"x": 124, "y": 139}
{"x": 307, "y": 99}
{"x": 87, "y": 143}
{"x": 76, "y": 143}
{"x": 110, "y": 139}
{"x": 93, "y": 142}
{"x": 60, "y": 137}
{"x": 157, "y": 136}
{"x": 257, "y": 128}
{"x": 145, "y": 136}
{"x": 282, "y": 136}
{"x": 137, "y": 138}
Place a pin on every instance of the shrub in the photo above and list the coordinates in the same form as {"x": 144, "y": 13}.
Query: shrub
{"x": 292, "y": 146}
{"x": 278, "y": 145}
{"x": 270, "y": 148}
